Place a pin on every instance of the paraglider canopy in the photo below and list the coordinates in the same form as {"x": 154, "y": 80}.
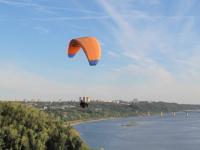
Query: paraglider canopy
{"x": 90, "y": 46}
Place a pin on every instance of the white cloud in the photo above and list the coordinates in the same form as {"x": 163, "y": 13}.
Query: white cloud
{"x": 162, "y": 56}
{"x": 142, "y": 44}
{"x": 45, "y": 8}
{"x": 113, "y": 54}
{"x": 17, "y": 83}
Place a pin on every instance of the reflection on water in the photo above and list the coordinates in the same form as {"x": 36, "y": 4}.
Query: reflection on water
{"x": 149, "y": 133}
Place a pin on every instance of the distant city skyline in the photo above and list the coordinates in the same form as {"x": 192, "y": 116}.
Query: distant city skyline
{"x": 150, "y": 49}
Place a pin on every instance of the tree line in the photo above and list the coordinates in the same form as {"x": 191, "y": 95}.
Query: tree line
{"x": 71, "y": 111}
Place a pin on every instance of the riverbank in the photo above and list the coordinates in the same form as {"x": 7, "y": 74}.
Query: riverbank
{"x": 77, "y": 122}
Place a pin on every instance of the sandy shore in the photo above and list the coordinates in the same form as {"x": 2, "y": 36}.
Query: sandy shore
{"x": 76, "y": 122}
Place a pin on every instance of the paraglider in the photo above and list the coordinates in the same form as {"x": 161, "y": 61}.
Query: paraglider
{"x": 90, "y": 46}
{"x": 83, "y": 104}
{"x": 84, "y": 101}
{"x": 92, "y": 50}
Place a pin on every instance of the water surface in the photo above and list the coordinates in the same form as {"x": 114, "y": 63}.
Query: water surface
{"x": 150, "y": 133}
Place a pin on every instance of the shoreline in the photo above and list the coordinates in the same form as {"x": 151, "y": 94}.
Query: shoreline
{"x": 77, "y": 122}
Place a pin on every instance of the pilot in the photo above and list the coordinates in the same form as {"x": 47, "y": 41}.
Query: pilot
{"x": 83, "y": 104}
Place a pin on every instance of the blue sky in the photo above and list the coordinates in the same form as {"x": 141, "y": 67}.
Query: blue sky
{"x": 150, "y": 49}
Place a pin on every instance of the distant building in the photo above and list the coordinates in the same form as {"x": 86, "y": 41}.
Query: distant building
{"x": 124, "y": 102}
{"x": 116, "y": 101}
{"x": 135, "y": 100}
{"x": 45, "y": 108}
{"x": 85, "y": 99}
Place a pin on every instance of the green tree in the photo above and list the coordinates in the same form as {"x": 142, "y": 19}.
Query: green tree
{"x": 23, "y": 127}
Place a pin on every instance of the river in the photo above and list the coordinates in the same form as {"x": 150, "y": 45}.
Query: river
{"x": 144, "y": 133}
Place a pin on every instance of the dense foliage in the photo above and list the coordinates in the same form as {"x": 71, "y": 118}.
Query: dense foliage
{"x": 23, "y": 127}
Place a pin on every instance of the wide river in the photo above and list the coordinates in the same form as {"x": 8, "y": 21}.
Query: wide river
{"x": 144, "y": 133}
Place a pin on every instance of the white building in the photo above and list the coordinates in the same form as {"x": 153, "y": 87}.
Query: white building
{"x": 85, "y": 99}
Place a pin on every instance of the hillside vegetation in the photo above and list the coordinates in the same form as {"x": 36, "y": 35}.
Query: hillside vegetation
{"x": 71, "y": 111}
{"x": 23, "y": 127}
